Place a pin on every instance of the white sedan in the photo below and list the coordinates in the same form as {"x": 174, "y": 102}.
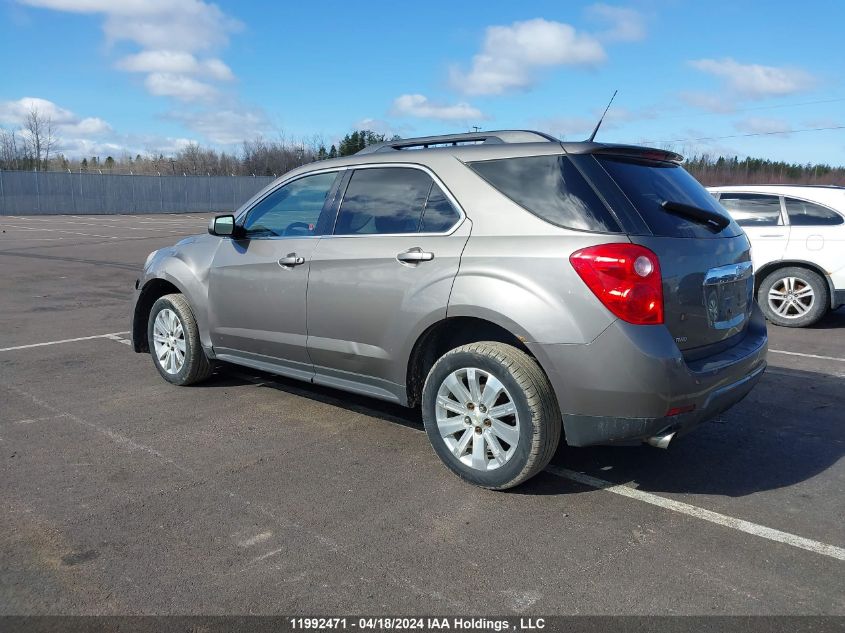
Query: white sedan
{"x": 797, "y": 238}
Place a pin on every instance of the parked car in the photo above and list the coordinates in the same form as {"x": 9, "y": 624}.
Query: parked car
{"x": 513, "y": 286}
{"x": 797, "y": 236}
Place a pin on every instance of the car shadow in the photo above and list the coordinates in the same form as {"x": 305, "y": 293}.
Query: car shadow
{"x": 789, "y": 429}
{"x": 229, "y": 375}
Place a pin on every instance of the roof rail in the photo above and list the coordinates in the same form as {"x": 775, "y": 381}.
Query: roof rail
{"x": 467, "y": 138}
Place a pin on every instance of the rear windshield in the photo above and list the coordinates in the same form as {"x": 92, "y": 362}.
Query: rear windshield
{"x": 649, "y": 184}
{"x": 551, "y": 188}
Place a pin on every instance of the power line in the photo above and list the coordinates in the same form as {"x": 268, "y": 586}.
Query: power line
{"x": 718, "y": 138}
{"x": 751, "y": 109}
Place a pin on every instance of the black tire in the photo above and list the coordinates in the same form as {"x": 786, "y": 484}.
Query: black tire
{"x": 196, "y": 366}
{"x": 791, "y": 316}
{"x": 539, "y": 418}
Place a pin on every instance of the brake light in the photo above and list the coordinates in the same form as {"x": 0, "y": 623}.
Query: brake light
{"x": 626, "y": 279}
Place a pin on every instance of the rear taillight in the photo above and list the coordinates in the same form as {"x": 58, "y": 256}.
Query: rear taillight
{"x": 626, "y": 279}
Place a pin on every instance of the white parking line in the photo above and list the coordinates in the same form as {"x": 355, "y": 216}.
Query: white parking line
{"x": 783, "y": 351}
{"x": 32, "y": 228}
{"x": 113, "y": 336}
{"x": 700, "y": 513}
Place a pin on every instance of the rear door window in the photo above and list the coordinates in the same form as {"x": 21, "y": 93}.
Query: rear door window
{"x": 551, "y": 188}
{"x": 383, "y": 201}
{"x": 647, "y": 184}
{"x": 439, "y": 215}
{"x": 803, "y": 213}
{"x": 753, "y": 209}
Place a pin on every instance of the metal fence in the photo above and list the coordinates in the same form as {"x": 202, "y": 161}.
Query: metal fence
{"x": 42, "y": 193}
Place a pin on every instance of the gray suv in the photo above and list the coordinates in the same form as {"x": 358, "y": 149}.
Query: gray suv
{"x": 513, "y": 286}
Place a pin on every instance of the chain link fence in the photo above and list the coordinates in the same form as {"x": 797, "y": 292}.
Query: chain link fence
{"x": 46, "y": 192}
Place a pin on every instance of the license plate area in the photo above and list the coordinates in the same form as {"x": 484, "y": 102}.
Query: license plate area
{"x": 728, "y": 295}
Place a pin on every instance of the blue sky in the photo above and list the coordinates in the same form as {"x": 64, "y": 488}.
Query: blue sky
{"x": 151, "y": 75}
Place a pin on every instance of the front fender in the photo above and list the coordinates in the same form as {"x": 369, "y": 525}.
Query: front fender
{"x": 186, "y": 266}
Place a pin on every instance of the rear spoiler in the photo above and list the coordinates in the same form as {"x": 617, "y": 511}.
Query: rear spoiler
{"x": 639, "y": 153}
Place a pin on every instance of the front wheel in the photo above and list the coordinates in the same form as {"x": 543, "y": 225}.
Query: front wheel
{"x": 491, "y": 414}
{"x": 174, "y": 342}
{"x": 793, "y": 297}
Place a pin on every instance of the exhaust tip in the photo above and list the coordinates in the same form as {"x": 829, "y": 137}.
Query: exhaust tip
{"x": 660, "y": 441}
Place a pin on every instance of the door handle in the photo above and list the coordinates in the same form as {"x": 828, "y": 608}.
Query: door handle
{"x": 290, "y": 260}
{"x": 415, "y": 256}
{"x": 772, "y": 235}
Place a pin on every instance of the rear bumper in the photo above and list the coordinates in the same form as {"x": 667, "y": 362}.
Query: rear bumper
{"x": 619, "y": 388}
{"x": 838, "y": 299}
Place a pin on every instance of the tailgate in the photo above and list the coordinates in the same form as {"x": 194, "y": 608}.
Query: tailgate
{"x": 708, "y": 289}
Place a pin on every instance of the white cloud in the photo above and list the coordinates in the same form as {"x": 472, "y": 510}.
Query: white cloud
{"x": 710, "y": 101}
{"x": 511, "y": 55}
{"x": 192, "y": 25}
{"x": 762, "y": 125}
{"x": 15, "y": 112}
{"x": 89, "y": 126}
{"x": 179, "y": 86}
{"x": 170, "y": 34}
{"x": 225, "y": 127}
{"x": 178, "y": 62}
{"x": 65, "y": 123}
{"x": 757, "y": 81}
{"x": 83, "y": 136}
{"x": 624, "y": 24}
{"x": 419, "y": 106}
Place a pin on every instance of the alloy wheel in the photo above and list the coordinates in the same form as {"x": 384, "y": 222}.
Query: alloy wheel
{"x": 477, "y": 418}
{"x": 791, "y": 297}
{"x": 169, "y": 341}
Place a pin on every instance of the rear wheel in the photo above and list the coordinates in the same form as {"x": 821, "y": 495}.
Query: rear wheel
{"x": 174, "y": 342}
{"x": 793, "y": 297}
{"x": 491, "y": 414}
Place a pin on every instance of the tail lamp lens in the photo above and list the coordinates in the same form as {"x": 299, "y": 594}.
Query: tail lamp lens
{"x": 625, "y": 278}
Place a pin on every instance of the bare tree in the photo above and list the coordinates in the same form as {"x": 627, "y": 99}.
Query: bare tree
{"x": 40, "y": 137}
{"x": 12, "y": 155}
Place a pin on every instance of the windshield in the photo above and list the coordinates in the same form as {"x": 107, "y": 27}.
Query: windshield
{"x": 649, "y": 184}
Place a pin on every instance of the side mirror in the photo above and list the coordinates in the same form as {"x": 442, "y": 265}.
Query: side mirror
{"x": 222, "y": 225}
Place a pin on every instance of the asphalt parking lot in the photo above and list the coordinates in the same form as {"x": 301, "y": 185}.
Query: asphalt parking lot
{"x": 251, "y": 494}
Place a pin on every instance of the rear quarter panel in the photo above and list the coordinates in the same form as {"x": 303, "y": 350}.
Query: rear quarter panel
{"x": 526, "y": 285}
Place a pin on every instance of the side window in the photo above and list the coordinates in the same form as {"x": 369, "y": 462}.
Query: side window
{"x": 803, "y": 213}
{"x": 439, "y": 215}
{"x": 383, "y": 200}
{"x": 291, "y": 210}
{"x": 551, "y": 188}
{"x": 752, "y": 209}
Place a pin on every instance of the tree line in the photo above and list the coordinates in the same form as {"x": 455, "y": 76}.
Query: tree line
{"x": 34, "y": 146}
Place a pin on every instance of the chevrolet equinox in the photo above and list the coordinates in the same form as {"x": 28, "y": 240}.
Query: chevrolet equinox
{"x": 515, "y": 287}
